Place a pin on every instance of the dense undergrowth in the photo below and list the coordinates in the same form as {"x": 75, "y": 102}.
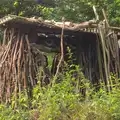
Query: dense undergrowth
{"x": 63, "y": 101}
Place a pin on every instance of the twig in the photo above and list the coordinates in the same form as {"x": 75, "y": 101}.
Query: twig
{"x": 104, "y": 14}
{"x": 25, "y": 82}
{"x": 30, "y": 60}
{"x": 115, "y": 28}
{"x": 96, "y": 14}
{"x": 62, "y": 49}
{"x": 19, "y": 61}
{"x": 4, "y": 37}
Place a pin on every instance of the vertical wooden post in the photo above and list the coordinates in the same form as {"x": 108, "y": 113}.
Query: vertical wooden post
{"x": 106, "y": 81}
{"x": 104, "y": 14}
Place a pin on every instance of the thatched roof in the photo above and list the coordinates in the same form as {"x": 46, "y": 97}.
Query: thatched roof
{"x": 46, "y": 25}
{"x": 49, "y": 26}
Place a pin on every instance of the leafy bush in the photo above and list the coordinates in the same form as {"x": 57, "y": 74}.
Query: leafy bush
{"x": 7, "y": 113}
{"x": 63, "y": 101}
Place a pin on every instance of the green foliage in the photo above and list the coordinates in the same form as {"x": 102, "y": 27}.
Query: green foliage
{"x": 55, "y": 100}
{"x": 81, "y": 10}
{"x": 7, "y": 113}
{"x": 73, "y": 10}
{"x": 114, "y": 14}
{"x": 63, "y": 101}
{"x": 24, "y": 8}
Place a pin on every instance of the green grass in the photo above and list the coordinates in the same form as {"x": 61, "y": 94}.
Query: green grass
{"x": 62, "y": 101}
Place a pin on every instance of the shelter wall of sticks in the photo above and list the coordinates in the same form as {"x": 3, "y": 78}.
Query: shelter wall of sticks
{"x": 94, "y": 46}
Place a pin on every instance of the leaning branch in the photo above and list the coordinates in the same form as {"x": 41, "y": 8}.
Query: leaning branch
{"x": 62, "y": 49}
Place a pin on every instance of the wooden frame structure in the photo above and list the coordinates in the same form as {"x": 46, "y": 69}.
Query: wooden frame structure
{"x": 94, "y": 44}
